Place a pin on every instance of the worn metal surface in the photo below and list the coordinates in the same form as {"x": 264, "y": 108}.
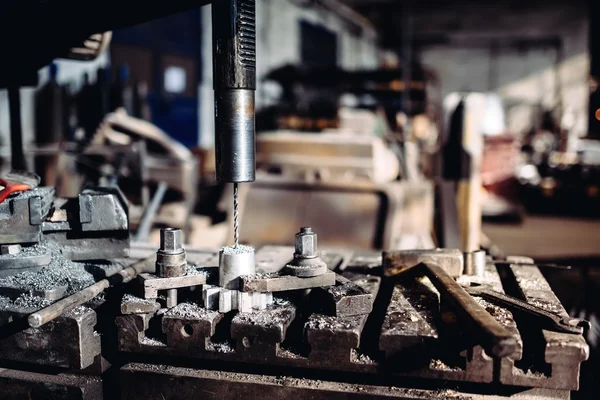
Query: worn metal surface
{"x": 562, "y": 352}
{"x": 346, "y": 298}
{"x": 70, "y": 341}
{"x": 390, "y": 341}
{"x": 152, "y": 284}
{"x": 21, "y": 216}
{"x": 546, "y": 319}
{"x": 23, "y": 385}
{"x": 396, "y": 262}
{"x": 136, "y": 305}
{"x": 275, "y": 282}
{"x": 494, "y": 338}
{"x": 150, "y": 382}
{"x": 91, "y": 226}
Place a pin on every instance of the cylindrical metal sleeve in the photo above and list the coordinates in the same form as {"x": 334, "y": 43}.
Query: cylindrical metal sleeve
{"x": 235, "y": 144}
{"x": 233, "y": 264}
{"x": 234, "y": 44}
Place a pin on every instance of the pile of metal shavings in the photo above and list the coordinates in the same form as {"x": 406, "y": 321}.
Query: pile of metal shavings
{"x": 440, "y": 365}
{"x": 29, "y": 301}
{"x": 37, "y": 192}
{"x": 220, "y": 347}
{"x": 37, "y": 249}
{"x": 280, "y": 302}
{"x": 325, "y": 322}
{"x": 152, "y": 342}
{"x": 500, "y": 314}
{"x": 272, "y": 316}
{"x": 129, "y": 298}
{"x": 239, "y": 249}
{"x": 260, "y": 276}
{"x": 191, "y": 311}
{"x": 59, "y": 273}
{"x": 360, "y": 358}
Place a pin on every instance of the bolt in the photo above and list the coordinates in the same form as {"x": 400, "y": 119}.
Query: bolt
{"x": 170, "y": 240}
{"x": 306, "y": 243}
{"x": 11, "y": 249}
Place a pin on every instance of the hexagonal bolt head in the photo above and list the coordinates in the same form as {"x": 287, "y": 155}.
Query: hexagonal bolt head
{"x": 171, "y": 240}
{"x": 306, "y": 243}
{"x": 10, "y": 249}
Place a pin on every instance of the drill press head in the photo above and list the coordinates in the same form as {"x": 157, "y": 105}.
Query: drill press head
{"x": 234, "y": 74}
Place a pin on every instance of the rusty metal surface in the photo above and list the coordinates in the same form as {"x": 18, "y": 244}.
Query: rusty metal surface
{"x": 396, "y": 262}
{"x": 23, "y": 385}
{"x": 347, "y": 297}
{"x": 160, "y": 382}
{"x": 70, "y": 341}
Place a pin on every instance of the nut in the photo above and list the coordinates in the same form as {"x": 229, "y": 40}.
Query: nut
{"x": 171, "y": 240}
{"x": 306, "y": 243}
{"x": 10, "y": 249}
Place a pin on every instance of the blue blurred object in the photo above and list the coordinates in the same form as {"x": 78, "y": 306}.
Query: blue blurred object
{"x": 177, "y": 116}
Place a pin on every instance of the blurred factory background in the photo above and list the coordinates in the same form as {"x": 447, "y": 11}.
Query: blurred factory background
{"x": 364, "y": 111}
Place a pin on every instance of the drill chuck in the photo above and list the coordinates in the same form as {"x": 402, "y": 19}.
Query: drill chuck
{"x": 234, "y": 76}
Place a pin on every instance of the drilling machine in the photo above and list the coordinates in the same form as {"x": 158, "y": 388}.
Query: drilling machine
{"x": 281, "y": 321}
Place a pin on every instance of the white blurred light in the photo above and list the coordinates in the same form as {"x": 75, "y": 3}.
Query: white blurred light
{"x": 175, "y": 80}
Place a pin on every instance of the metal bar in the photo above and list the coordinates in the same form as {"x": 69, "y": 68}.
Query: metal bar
{"x": 493, "y": 337}
{"x": 17, "y": 157}
{"x": 144, "y": 229}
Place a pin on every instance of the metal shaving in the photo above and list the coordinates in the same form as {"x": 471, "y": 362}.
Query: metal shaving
{"x": 31, "y": 251}
{"x": 440, "y": 365}
{"x": 27, "y": 300}
{"x": 220, "y": 347}
{"x": 359, "y": 358}
{"x": 191, "y": 312}
{"x": 324, "y": 322}
{"x": 152, "y": 342}
{"x": 128, "y": 298}
{"x": 239, "y": 249}
{"x": 59, "y": 272}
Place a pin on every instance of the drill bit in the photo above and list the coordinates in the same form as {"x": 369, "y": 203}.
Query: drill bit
{"x": 236, "y": 227}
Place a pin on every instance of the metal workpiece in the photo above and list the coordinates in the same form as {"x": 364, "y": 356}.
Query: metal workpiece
{"x": 152, "y": 284}
{"x": 268, "y": 326}
{"x": 410, "y": 320}
{"x": 276, "y": 282}
{"x": 170, "y": 257}
{"x": 306, "y": 262}
{"x": 226, "y": 300}
{"x": 346, "y": 298}
{"x": 399, "y": 261}
{"x": 475, "y": 262}
{"x": 188, "y": 326}
{"x": 233, "y": 263}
